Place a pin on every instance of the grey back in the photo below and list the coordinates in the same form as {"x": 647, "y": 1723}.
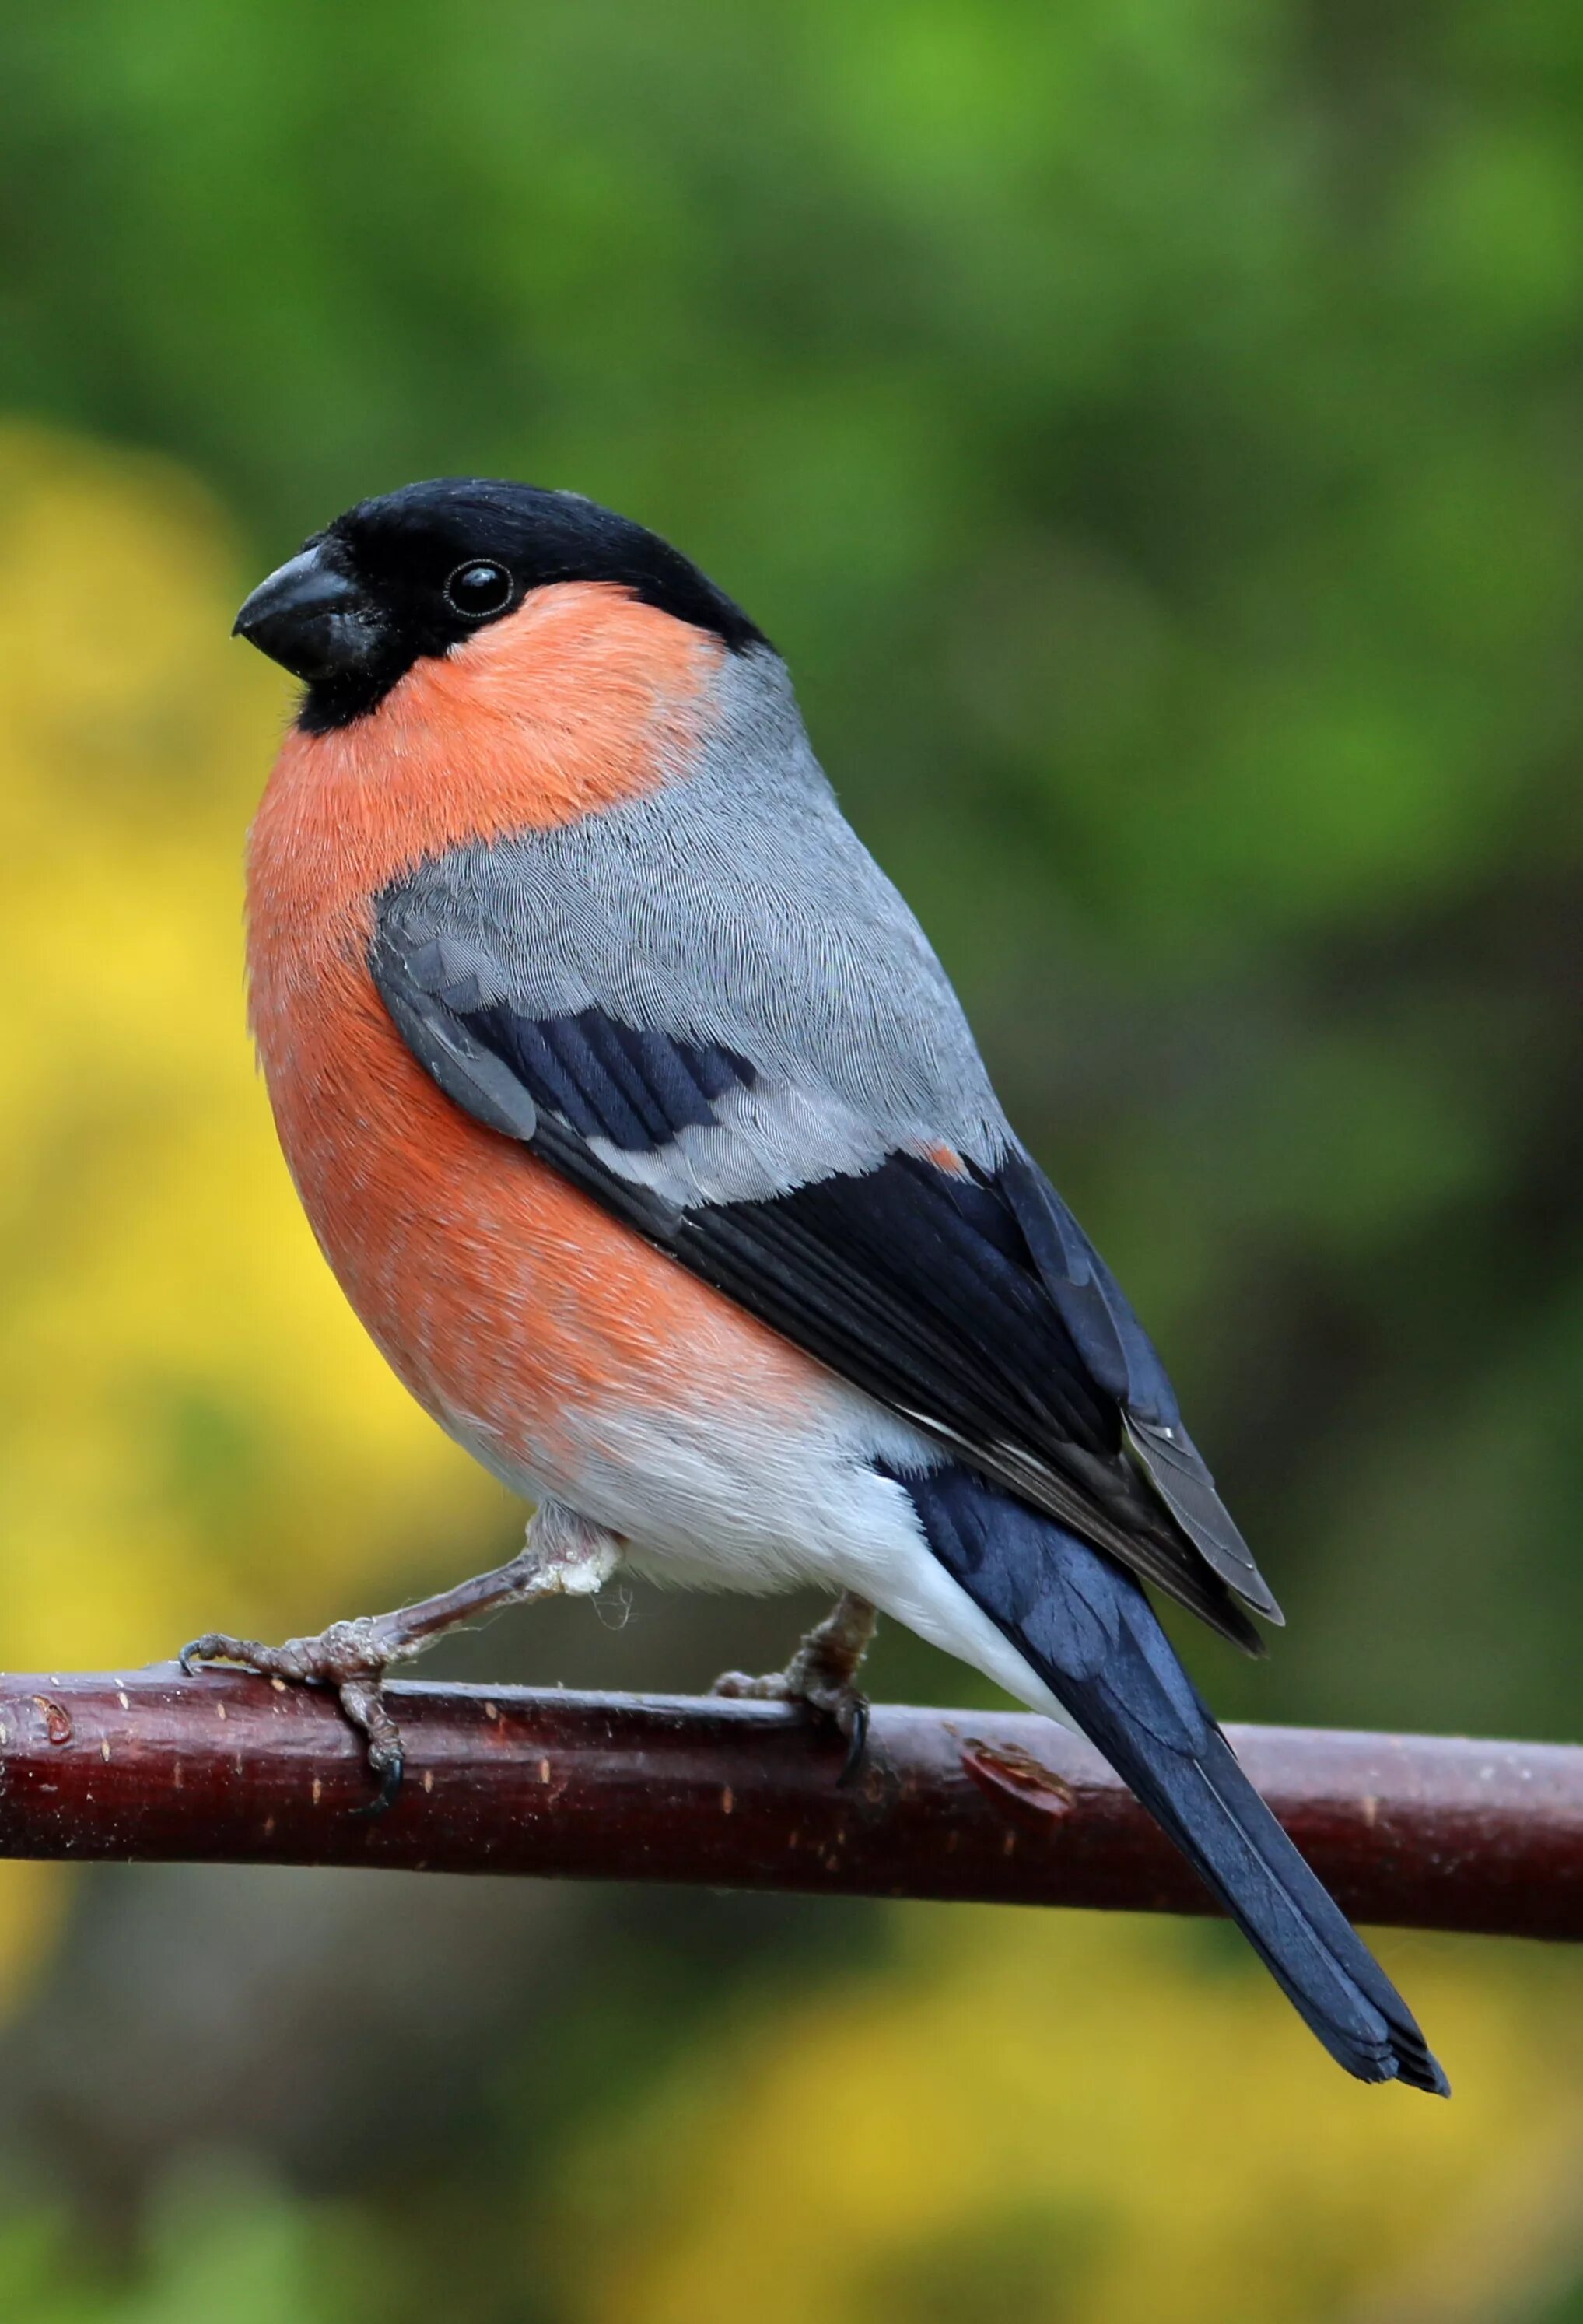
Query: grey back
{"x": 734, "y": 905}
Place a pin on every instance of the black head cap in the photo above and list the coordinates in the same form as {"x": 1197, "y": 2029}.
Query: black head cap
{"x": 420, "y": 570}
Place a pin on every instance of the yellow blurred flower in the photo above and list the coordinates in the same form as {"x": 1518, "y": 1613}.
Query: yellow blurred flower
{"x": 1075, "y": 2119}
{"x": 194, "y": 1431}
{"x": 193, "y": 1428}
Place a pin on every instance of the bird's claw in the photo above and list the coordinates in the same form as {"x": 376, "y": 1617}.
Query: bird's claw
{"x": 856, "y": 1741}
{"x": 835, "y": 1699}
{"x": 388, "y": 1771}
{"x": 351, "y": 1658}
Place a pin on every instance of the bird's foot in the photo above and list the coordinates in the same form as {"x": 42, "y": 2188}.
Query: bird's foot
{"x": 834, "y": 1699}
{"x": 565, "y": 1554}
{"x": 351, "y": 1657}
{"x": 822, "y": 1675}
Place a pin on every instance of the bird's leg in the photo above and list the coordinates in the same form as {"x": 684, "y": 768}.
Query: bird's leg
{"x": 563, "y": 1554}
{"x": 822, "y": 1673}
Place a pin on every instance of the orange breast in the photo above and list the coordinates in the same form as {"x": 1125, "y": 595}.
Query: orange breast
{"x": 504, "y": 1297}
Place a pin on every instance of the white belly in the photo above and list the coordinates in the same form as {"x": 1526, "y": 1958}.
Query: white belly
{"x": 755, "y": 1507}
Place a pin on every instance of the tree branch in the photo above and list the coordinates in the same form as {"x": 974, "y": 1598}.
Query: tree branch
{"x": 1426, "y": 1831}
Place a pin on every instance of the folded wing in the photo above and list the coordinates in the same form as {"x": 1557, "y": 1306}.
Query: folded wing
{"x": 789, "y": 1101}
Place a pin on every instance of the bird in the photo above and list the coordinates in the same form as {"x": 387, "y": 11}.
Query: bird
{"x": 646, "y": 1134}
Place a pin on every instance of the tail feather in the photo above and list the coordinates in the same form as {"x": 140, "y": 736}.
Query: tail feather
{"x": 1087, "y": 1628}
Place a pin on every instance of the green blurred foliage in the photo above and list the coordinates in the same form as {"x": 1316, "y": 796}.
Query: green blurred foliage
{"x": 218, "y": 2243}
{"x": 1154, "y": 429}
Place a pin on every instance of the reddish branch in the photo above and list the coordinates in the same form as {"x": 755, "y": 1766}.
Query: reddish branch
{"x": 222, "y": 1767}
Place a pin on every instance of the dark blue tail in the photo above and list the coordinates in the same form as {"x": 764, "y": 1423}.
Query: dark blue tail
{"x": 1089, "y": 1631}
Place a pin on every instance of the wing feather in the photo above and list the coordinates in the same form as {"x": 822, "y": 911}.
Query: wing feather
{"x": 966, "y": 1298}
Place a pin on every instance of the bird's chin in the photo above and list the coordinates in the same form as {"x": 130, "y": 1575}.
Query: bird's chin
{"x": 330, "y": 649}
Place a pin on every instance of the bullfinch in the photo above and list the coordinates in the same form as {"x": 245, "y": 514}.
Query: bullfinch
{"x": 649, "y": 1141}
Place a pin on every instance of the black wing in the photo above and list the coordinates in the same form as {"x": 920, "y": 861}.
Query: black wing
{"x": 964, "y": 1297}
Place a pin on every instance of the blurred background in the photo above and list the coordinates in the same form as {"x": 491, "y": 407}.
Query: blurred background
{"x": 1154, "y": 431}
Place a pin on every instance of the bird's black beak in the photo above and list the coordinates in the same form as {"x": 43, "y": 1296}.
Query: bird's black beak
{"x": 312, "y": 619}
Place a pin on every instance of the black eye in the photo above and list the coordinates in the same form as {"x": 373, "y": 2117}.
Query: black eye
{"x": 475, "y": 591}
